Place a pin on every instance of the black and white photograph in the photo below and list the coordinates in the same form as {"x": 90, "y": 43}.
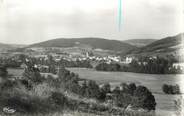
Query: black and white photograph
{"x": 91, "y": 58}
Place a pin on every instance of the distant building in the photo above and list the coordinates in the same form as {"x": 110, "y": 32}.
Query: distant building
{"x": 179, "y": 65}
{"x": 143, "y": 63}
{"x": 127, "y": 60}
{"x": 152, "y": 57}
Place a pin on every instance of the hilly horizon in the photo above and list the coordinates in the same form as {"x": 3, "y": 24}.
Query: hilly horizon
{"x": 165, "y": 45}
{"x": 5, "y": 47}
{"x": 132, "y": 46}
{"x": 95, "y": 43}
{"x": 139, "y": 42}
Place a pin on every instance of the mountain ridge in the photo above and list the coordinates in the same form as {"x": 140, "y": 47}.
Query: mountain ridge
{"x": 165, "y": 45}
{"x": 139, "y": 42}
{"x": 5, "y": 47}
{"x": 95, "y": 43}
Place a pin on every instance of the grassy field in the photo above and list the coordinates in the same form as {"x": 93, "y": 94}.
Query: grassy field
{"x": 165, "y": 103}
{"x": 15, "y": 71}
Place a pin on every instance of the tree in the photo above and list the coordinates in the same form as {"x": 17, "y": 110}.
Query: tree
{"x": 63, "y": 73}
{"x": 125, "y": 88}
{"x": 116, "y": 90}
{"x": 165, "y": 88}
{"x": 58, "y": 98}
{"x": 143, "y": 98}
{"x": 83, "y": 89}
{"x": 32, "y": 74}
{"x": 171, "y": 89}
{"x": 108, "y": 67}
{"x": 3, "y": 71}
{"x": 50, "y": 60}
{"x": 132, "y": 87}
{"x": 52, "y": 69}
{"x": 123, "y": 100}
{"x": 22, "y": 57}
{"x": 176, "y": 89}
{"x": 93, "y": 89}
{"x": 106, "y": 88}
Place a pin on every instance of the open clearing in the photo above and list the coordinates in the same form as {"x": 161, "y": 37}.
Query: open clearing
{"x": 154, "y": 82}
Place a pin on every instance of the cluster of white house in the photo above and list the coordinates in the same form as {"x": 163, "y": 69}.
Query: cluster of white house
{"x": 74, "y": 54}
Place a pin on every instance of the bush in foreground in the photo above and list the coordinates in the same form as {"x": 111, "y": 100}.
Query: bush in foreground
{"x": 143, "y": 98}
{"x": 134, "y": 96}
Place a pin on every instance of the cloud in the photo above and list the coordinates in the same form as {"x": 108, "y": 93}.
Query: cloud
{"x": 59, "y": 6}
{"x": 30, "y": 21}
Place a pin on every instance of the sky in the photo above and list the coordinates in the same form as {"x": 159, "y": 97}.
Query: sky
{"x": 32, "y": 21}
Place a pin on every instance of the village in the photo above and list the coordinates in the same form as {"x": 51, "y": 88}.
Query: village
{"x": 74, "y": 54}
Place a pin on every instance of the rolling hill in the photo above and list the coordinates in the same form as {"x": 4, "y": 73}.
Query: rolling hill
{"x": 95, "y": 43}
{"x": 139, "y": 42}
{"x": 2, "y": 45}
{"x": 5, "y": 47}
{"x": 162, "y": 46}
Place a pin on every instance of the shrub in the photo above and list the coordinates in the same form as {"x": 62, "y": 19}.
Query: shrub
{"x": 179, "y": 105}
{"x": 33, "y": 76}
{"x": 3, "y": 71}
{"x": 132, "y": 87}
{"x": 106, "y": 88}
{"x": 116, "y": 90}
{"x": 137, "y": 97}
{"x": 123, "y": 100}
{"x": 93, "y": 89}
{"x": 27, "y": 84}
{"x": 21, "y": 105}
{"x": 24, "y": 103}
{"x": 171, "y": 89}
{"x": 58, "y": 98}
{"x": 8, "y": 84}
{"x": 143, "y": 98}
{"x": 128, "y": 88}
{"x": 90, "y": 89}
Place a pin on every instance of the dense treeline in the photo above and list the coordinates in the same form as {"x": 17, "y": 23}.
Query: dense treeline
{"x": 171, "y": 89}
{"x": 130, "y": 94}
{"x": 50, "y": 61}
{"x": 134, "y": 96}
{"x": 156, "y": 65}
{"x": 10, "y": 62}
{"x": 148, "y": 65}
{"x": 16, "y": 61}
{"x": 77, "y": 63}
{"x": 108, "y": 67}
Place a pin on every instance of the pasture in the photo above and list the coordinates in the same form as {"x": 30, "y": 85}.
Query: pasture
{"x": 165, "y": 103}
{"x": 154, "y": 82}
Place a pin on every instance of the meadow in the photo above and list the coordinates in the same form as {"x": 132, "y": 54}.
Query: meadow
{"x": 165, "y": 103}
